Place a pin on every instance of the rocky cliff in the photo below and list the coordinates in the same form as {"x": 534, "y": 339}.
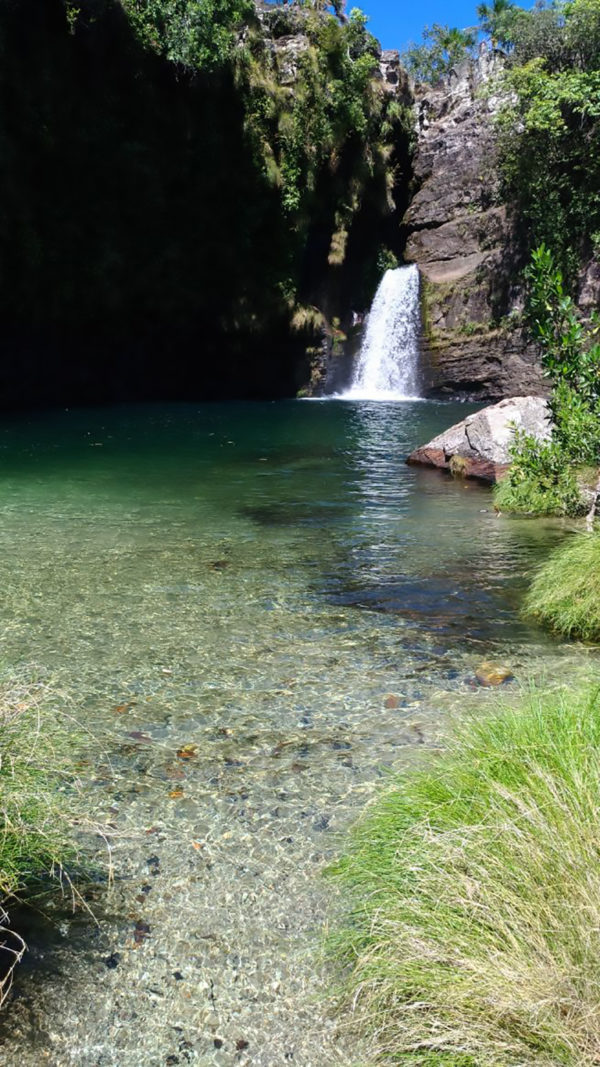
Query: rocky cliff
{"x": 463, "y": 241}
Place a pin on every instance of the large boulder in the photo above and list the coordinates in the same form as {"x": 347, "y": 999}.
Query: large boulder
{"x": 479, "y": 446}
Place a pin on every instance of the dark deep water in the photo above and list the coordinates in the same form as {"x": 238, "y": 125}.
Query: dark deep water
{"x": 255, "y": 580}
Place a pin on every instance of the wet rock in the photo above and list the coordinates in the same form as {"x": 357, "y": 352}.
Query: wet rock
{"x": 391, "y": 701}
{"x": 141, "y": 931}
{"x": 490, "y": 674}
{"x": 322, "y": 823}
{"x": 187, "y": 752}
{"x": 219, "y": 564}
{"x": 588, "y": 296}
{"x": 482, "y": 441}
{"x": 154, "y": 865}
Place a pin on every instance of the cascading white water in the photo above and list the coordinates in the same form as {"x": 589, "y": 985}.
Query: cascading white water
{"x": 387, "y": 367}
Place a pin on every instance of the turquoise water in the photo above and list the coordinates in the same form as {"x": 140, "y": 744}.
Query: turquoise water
{"x": 274, "y": 586}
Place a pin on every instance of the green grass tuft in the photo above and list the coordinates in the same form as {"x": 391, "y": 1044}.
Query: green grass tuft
{"x": 565, "y": 592}
{"x": 39, "y": 805}
{"x": 34, "y": 804}
{"x": 473, "y": 934}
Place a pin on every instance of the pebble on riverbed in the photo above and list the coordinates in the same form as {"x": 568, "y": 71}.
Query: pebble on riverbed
{"x": 489, "y": 674}
{"x": 391, "y": 702}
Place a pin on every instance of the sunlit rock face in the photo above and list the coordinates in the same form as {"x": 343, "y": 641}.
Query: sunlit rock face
{"x": 463, "y": 240}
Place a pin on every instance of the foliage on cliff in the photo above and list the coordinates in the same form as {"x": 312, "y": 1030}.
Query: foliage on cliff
{"x": 550, "y": 126}
{"x": 320, "y": 128}
{"x": 545, "y": 477}
{"x": 196, "y": 35}
{"x": 180, "y": 174}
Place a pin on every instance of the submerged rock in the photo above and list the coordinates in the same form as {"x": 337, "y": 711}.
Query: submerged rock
{"x": 489, "y": 674}
{"x": 482, "y": 441}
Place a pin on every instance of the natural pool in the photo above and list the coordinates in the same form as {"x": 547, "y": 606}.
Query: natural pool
{"x": 254, "y": 609}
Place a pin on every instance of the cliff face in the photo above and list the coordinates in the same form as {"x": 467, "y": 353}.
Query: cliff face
{"x": 463, "y": 241}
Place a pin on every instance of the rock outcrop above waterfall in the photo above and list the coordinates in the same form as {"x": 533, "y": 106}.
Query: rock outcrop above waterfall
{"x": 481, "y": 442}
{"x": 461, "y": 237}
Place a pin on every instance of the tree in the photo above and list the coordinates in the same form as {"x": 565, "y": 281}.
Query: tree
{"x": 442, "y": 48}
{"x": 496, "y": 21}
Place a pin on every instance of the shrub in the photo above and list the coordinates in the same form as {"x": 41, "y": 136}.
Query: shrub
{"x": 473, "y": 933}
{"x": 543, "y": 475}
{"x": 540, "y": 480}
{"x": 565, "y": 593}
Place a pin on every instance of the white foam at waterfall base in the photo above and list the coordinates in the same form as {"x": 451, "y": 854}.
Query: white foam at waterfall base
{"x": 388, "y": 364}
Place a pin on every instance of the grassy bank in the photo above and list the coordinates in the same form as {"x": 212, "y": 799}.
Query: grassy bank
{"x": 37, "y": 795}
{"x": 565, "y": 592}
{"x": 473, "y": 936}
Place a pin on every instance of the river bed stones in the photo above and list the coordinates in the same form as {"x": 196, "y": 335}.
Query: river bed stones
{"x": 490, "y": 674}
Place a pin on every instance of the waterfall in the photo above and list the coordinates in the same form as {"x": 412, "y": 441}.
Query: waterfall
{"x": 387, "y": 367}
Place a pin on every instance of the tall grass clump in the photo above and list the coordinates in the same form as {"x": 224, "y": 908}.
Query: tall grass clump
{"x": 473, "y": 931}
{"x": 37, "y": 803}
{"x": 565, "y": 592}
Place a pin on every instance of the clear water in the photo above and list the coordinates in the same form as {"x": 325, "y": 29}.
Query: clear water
{"x": 388, "y": 363}
{"x": 256, "y": 581}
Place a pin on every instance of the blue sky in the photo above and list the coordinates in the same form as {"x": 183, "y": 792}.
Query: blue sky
{"x": 396, "y": 22}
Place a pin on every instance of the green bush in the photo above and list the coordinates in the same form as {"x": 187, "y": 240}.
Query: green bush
{"x": 200, "y": 34}
{"x": 540, "y": 480}
{"x": 543, "y": 477}
{"x": 473, "y": 930}
{"x": 565, "y": 592}
{"x": 570, "y": 353}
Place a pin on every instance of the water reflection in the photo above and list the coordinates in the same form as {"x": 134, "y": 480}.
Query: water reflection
{"x": 424, "y": 547}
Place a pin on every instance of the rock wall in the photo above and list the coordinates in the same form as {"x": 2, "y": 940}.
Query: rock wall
{"x": 462, "y": 239}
